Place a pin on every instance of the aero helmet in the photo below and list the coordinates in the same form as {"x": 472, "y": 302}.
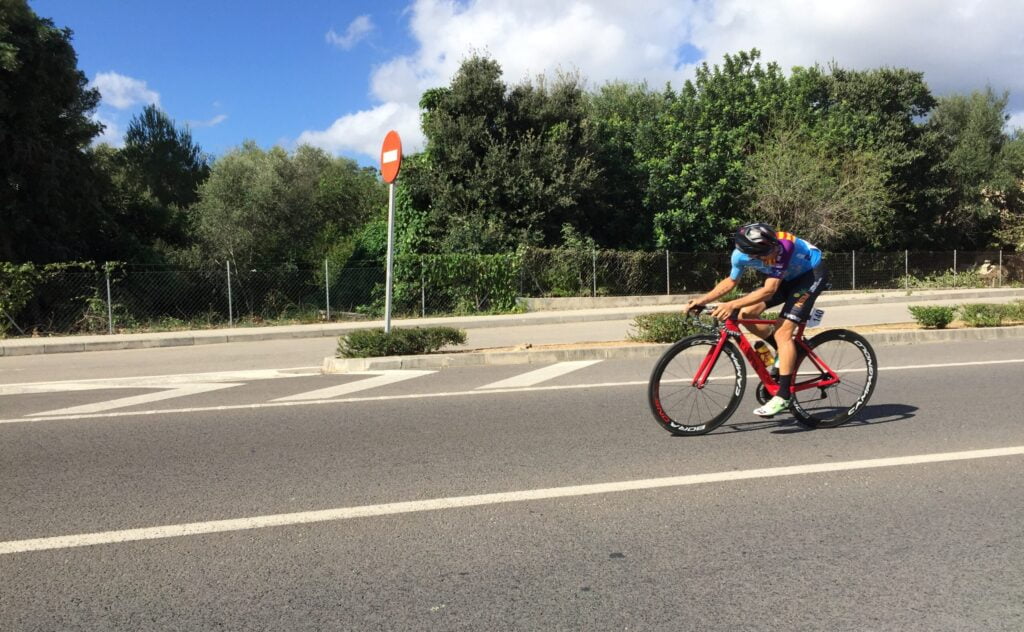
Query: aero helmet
{"x": 755, "y": 239}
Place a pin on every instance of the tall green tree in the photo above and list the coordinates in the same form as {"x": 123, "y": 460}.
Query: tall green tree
{"x": 624, "y": 118}
{"x": 708, "y": 129}
{"x": 50, "y": 202}
{"x": 837, "y": 200}
{"x": 878, "y": 111}
{"x": 164, "y": 158}
{"x": 971, "y": 136}
{"x": 502, "y": 167}
{"x": 154, "y": 179}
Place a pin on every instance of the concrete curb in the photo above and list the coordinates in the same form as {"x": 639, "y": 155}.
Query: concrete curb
{"x": 628, "y": 351}
{"x": 73, "y": 344}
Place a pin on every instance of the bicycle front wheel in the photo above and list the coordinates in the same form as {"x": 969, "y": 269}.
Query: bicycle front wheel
{"x": 684, "y": 409}
{"x": 850, "y": 357}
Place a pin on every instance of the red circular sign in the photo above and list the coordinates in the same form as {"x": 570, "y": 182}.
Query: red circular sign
{"x": 391, "y": 156}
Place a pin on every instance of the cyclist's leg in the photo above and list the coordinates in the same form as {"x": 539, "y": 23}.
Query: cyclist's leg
{"x": 799, "y": 303}
{"x": 753, "y": 311}
{"x": 800, "y": 296}
{"x": 791, "y": 315}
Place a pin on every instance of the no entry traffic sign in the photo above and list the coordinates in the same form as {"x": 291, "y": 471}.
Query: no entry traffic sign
{"x": 391, "y": 156}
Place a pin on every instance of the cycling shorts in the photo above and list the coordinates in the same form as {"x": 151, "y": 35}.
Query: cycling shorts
{"x": 797, "y": 295}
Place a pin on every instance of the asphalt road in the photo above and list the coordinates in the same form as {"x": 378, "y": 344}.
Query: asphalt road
{"x": 884, "y": 545}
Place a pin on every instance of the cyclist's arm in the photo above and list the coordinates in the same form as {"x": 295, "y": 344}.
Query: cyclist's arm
{"x": 762, "y": 294}
{"x": 724, "y": 287}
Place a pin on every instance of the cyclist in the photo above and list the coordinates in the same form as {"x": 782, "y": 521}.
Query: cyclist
{"x": 795, "y": 276}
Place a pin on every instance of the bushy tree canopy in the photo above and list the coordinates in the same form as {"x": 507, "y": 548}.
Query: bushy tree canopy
{"x": 262, "y": 206}
{"x": 50, "y": 204}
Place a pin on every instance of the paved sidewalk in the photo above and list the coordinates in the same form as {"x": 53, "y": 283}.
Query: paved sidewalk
{"x": 596, "y": 324}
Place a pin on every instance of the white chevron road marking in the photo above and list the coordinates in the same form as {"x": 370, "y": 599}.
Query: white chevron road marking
{"x": 540, "y": 375}
{"x": 135, "y": 400}
{"x": 382, "y": 378}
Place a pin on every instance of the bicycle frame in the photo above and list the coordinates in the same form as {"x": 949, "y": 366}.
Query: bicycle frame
{"x": 731, "y": 329}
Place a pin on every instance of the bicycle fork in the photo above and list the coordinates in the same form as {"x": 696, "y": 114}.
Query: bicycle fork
{"x": 708, "y": 363}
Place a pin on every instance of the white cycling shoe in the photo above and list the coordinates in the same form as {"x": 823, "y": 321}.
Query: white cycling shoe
{"x": 772, "y": 407}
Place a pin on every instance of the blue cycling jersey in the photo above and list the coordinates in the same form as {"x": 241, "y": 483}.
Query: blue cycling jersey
{"x": 795, "y": 257}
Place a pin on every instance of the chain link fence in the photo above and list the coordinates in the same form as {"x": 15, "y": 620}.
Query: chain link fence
{"x": 134, "y": 298}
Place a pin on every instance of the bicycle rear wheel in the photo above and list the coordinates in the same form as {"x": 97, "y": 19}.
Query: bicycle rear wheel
{"x": 684, "y": 409}
{"x": 851, "y": 357}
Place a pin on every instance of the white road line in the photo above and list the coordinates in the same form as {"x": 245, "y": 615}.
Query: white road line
{"x": 540, "y": 375}
{"x": 155, "y": 381}
{"x": 390, "y": 398}
{"x": 383, "y": 378}
{"x": 366, "y": 511}
{"x": 135, "y": 400}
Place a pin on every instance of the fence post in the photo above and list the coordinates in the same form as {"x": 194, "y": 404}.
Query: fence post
{"x": 853, "y": 269}
{"x": 906, "y": 268}
{"x": 999, "y": 277}
{"x": 594, "y": 272}
{"x": 954, "y": 262}
{"x": 327, "y": 287}
{"x": 423, "y": 292}
{"x": 110, "y": 306}
{"x": 231, "y": 315}
{"x": 668, "y": 276}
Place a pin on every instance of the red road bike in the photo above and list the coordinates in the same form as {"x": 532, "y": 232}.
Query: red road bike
{"x": 694, "y": 390}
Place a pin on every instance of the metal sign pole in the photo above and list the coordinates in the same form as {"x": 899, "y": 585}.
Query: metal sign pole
{"x": 391, "y": 256}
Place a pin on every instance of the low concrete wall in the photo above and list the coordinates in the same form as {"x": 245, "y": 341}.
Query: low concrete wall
{"x": 829, "y": 298}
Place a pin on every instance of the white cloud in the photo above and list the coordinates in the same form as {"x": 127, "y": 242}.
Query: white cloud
{"x": 121, "y": 92}
{"x": 364, "y": 131}
{"x": 357, "y": 30}
{"x": 112, "y": 133}
{"x": 1016, "y": 121}
{"x": 960, "y": 45}
{"x": 217, "y": 120}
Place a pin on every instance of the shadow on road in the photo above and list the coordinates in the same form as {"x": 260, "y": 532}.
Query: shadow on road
{"x": 870, "y": 416}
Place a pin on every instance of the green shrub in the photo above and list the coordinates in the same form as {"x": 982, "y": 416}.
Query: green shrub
{"x": 982, "y": 314}
{"x": 932, "y": 316}
{"x": 666, "y": 327}
{"x": 374, "y": 343}
{"x": 1014, "y": 310}
{"x": 947, "y": 279}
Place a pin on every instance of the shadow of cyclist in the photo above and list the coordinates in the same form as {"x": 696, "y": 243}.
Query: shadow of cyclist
{"x": 871, "y": 415}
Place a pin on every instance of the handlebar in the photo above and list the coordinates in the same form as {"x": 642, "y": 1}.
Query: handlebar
{"x": 698, "y": 316}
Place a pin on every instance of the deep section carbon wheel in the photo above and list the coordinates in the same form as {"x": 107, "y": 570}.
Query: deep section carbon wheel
{"x": 851, "y": 357}
{"x": 685, "y": 409}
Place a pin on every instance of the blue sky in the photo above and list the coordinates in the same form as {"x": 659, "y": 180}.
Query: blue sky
{"x": 339, "y": 74}
{"x": 234, "y": 70}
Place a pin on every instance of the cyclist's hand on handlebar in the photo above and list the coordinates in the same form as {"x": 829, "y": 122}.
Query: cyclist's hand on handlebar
{"x": 693, "y": 307}
{"x": 722, "y": 311}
